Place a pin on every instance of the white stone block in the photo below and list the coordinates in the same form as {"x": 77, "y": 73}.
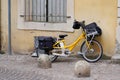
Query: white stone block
{"x": 44, "y": 61}
{"x": 82, "y": 69}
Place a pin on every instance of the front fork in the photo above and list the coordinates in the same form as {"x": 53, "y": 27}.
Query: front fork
{"x": 88, "y": 42}
{"x": 88, "y": 47}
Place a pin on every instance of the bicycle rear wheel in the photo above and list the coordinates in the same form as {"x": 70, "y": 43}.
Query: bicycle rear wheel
{"x": 92, "y": 54}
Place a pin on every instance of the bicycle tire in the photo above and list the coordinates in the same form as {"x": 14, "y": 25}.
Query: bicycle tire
{"x": 91, "y": 55}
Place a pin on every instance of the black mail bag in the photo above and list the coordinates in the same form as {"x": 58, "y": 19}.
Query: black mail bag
{"x": 46, "y": 42}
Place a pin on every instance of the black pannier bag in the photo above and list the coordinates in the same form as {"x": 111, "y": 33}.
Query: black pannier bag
{"x": 46, "y": 43}
{"x": 90, "y": 28}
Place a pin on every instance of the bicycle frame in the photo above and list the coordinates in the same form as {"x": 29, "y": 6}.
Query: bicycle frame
{"x": 71, "y": 46}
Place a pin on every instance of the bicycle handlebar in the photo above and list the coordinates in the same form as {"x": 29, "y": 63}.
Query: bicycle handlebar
{"x": 82, "y": 24}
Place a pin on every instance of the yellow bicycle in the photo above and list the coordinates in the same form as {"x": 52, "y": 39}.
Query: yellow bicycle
{"x": 91, "y": 50}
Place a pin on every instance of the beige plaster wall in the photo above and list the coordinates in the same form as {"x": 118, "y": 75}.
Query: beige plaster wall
{"x": 0, "y": 25}
{"x": 103, "y": 12}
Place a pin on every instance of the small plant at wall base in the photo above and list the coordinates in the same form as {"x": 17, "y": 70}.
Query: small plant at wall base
{"x": 2, "y": 52}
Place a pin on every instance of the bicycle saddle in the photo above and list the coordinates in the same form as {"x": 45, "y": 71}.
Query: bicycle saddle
{"x": 63, "y": 36}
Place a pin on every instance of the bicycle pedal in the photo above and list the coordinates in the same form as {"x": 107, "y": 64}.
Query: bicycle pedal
{"x": 80, "y": 53}
{"x": 67, "y": 52}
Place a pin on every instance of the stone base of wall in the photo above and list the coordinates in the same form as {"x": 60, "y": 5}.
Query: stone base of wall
{"x": 117, "y": 47}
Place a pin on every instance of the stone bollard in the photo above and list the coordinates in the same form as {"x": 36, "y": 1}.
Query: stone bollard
{"x": 44, "y": 61}
{"x": 82, "y": 69}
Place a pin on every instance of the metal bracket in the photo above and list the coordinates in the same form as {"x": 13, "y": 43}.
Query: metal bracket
{"x": 68, "y": 16}
{"x": 22, "y": 15}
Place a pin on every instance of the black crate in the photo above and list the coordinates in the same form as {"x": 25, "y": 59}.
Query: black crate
{"x": 93, "y": 27}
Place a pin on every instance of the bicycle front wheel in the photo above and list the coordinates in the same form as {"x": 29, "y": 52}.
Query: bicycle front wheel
{"x": 93, "y": 53}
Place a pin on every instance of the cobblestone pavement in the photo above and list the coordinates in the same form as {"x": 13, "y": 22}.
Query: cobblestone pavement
{"x": 24, "y": 67}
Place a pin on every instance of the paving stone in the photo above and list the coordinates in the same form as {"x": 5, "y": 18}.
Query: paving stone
{"x": 24, "y": 67}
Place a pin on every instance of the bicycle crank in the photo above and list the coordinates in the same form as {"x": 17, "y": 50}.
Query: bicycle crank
{"x": 80, "y": 53}
{"x": 62, "y": 55}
